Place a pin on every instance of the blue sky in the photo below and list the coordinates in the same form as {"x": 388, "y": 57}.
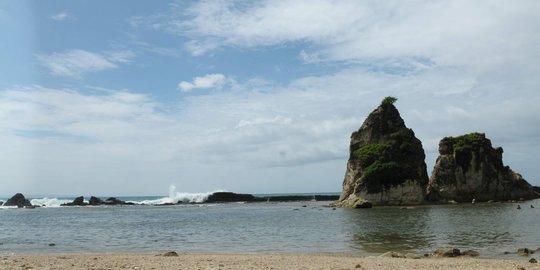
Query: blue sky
{"x": 129, "y": 97}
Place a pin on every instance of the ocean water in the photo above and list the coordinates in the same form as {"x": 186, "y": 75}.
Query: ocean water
{"x": 301, "y": 227}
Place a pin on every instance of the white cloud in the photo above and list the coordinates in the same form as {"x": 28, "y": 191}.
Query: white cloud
{"x": 62, "y": 16}
{"x": 75, "y": 63}
{"x": 471, "y": 34}
{"x": 215, "y": 80}
{"x": 264, "y": 131}
{"x": 456, "y": 67}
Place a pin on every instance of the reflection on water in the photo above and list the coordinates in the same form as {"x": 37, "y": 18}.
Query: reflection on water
{"x": 490, "y": 229}
{"x": 389, "y": 228}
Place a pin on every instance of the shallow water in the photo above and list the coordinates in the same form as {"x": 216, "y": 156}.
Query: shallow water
{"x": 490, "y": 229}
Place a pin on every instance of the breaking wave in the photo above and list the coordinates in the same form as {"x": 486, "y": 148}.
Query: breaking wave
{"x": 49, "y": 202}
{"x": 176, "y": 197}
{"x": 173, "y": 198}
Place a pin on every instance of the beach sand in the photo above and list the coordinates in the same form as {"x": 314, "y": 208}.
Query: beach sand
{"x": 248, "y": 261}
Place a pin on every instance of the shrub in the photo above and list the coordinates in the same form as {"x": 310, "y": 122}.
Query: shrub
{"x": 388, "y": 100}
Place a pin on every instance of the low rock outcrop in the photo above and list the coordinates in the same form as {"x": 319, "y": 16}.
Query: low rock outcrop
{"x": 468, "y": 168}
{"x": 230, "y": 197}
{"x": 115, "y": 201}
{"x": 386, "y": 162}
{"x": 18, "y": 200}
{"x": 79, "y": 201}
{"x": 95, "y": 201}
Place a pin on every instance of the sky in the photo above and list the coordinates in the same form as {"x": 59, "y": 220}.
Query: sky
{"x": 130, "y": 97}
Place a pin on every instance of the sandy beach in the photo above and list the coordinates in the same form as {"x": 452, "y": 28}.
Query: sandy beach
{"x": 248, "y": 261}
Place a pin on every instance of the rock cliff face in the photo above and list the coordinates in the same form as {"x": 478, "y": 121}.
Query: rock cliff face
{"x": 468, "y": 168}
{"x": 386, "y": 162}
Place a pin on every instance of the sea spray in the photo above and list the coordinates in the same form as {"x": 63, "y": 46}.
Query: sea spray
{"x": 178, "y": 197}
{"x": 49, "y": 202}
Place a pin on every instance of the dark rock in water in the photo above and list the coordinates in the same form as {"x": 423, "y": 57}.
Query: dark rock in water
{"x": 470, "y": 253}
{"x": 79, "y": 201}
{"x": 115, "y": 201}
{"x": 386, "y": 162}
{"x": 468, "y": 168}
{"x": 1, "y": 203}
{"x": 525, "y": 251}
{"x": 18, "y": 200}
{"x": 533, "y": 260}
{"x": 95, "y": 201}
{"x": 536, "y": 190}
{"x": 230, "y": 197}
{"x": 447, "y": 252}
{"x": 362, "y": 204}
{"x": 52, "y": 244}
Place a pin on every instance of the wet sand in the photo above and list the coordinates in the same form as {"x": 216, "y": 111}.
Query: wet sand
{"x": 141, "y": 261}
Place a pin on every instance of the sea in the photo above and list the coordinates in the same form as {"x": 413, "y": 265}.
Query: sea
{"x": 492, "y": 229}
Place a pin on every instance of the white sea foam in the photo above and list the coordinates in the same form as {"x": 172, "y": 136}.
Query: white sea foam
{"x": 176, "y": 197}
{"x": 49, "y": 202}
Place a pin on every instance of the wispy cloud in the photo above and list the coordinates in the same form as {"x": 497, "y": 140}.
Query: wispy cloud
{"x": 215, "y": 80}
{"x": 75, "y": 63}
{"x": 486, "y": 34}
{"x": 61, "y": 16}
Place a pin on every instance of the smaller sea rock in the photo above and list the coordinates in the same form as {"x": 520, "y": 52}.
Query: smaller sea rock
{"x": 79, "y": 201}
{"x": 525, "y": 251}
{"x": 52, "y": 244}
{"x": 470, "y": 253}
{"x": 533, "y": 260}
{"x": 115, "y": 201}
{"x": 95, "y": 201}
{"x": 1, "y": 202}
{"x": 363, "y": 204}
{"x": 170, "y": 254}
{"x": 18, "y": 200}
{"x": 447, "y": 252}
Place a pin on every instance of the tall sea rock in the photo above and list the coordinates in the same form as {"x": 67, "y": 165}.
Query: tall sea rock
{"x": 468, "y": 168}
{"x": 386, "y": 162}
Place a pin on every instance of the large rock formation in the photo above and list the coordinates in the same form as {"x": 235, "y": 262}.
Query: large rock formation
{"x": 468, "y": 168}
{"x": 18, "y": 200}
{"x": 386, "y": 162}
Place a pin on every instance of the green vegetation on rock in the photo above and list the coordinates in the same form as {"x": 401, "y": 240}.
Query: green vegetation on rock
{"x": 463, "y": 146}
{"x": 386, "y": 165}
{"x": 370, "y": 153}
{"x": 465, "y": 142}
{"x": 388, "y": 100}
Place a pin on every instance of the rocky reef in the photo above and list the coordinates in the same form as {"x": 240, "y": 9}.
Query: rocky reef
{"x": 94, "y": 201}
{"x": 468, "y": 168}
{"x": 386, "y": 162}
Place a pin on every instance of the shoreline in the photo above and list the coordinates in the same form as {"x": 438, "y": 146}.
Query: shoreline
{"x": 183, "y": 260}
